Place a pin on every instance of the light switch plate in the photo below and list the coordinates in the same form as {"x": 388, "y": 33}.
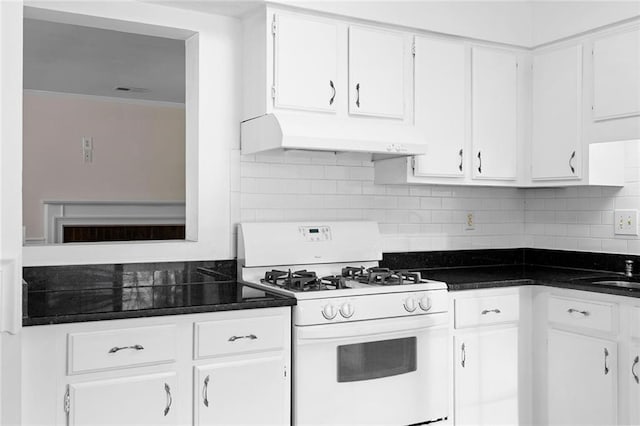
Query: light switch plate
{"x": 625, "y": 222}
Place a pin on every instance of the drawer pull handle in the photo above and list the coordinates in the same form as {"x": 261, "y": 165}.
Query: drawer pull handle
{"x": 205, "y": 392}
{"x": 577, "y": 311}
{"x": 463, "y": 351}
{"x": 121, "y": 348}
{"x": 250, "y": 337}
{"x": 606, "y": 359}
{"x": 167, "y": 389}
{"x": 633, "y": 369}
{"x": 487, "y": 311}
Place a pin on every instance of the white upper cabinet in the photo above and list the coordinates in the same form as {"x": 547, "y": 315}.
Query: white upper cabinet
{"x": 376, "y": 72}
{"x": 440, "y": 85}
{"x": 557, "y": 120}
{"x": 616, "y": 75}
{"x": 305, "y": 63}
{"x": 494, "y": 113}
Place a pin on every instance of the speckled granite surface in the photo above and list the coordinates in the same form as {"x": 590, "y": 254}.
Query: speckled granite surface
{"x": 77, "y": 293}
{"x": 475, "y": 269}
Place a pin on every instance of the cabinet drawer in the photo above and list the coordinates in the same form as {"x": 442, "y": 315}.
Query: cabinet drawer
{"x": 581, "y": 313}
{"x": 487, "y": 310}
{"x": 233, "y": 336}
{"x": 112, "y": 349}
{"x": 635, "y": 315}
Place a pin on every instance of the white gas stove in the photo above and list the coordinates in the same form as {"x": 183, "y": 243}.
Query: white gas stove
{"x": 369, "y": 344}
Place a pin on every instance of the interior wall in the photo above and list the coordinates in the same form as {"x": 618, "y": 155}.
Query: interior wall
{"x": 138, "y": 152}
{"x": 553, "y": 20}
{"x": 582, "y": 218}
{"x": 323, "y": 187}
{"x": 499, "y": 21}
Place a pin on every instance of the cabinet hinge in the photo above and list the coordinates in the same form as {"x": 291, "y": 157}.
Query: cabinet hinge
{"x": 413, "y": 48}
{"x": 67, "y": 402}
{"x": 273, "y": 26}
{"x": 273, "y": 92}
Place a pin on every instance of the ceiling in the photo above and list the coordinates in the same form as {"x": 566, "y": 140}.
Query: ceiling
{"x": 92, "y": 61}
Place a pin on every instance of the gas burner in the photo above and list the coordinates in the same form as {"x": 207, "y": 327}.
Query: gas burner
{"x": 381, "y": 276}
{"x": 352, "y": 272}
{"x": 335, "y": 281}
{"x": 303, "y": 280}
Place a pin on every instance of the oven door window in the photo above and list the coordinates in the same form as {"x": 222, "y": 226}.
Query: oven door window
{"x": 373, "y": 360}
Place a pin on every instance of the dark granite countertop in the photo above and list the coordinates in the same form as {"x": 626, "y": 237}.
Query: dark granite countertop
{"x": 477, "y": 269}
{"x": 478, "y": 277}
{"x": 65, "y": 294}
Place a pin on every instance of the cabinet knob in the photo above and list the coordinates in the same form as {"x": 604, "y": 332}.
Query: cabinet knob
{"x": 205, "y": 392}
{"x": 573, "y": 156}
{"x": 167, "y": 390}
{"x": 460, "y": 154}
{"x": 479, "y": 161}
{"x": 116, "y": 349}
{"x": 636, "y": 360}
{"x": 488, "y": 311}
{"x": 358, "y": 95}
{"x": 606, "y": 361}
{"x": 333, "y": 92}
{"x": 463, "y": 355}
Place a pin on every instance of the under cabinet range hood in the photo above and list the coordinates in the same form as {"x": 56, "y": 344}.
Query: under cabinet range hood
{"x": 287, "y": 132}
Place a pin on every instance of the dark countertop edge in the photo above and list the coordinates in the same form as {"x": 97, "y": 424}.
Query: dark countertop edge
{"x": 564, "y": 285}
{"x": 280, "y": 301}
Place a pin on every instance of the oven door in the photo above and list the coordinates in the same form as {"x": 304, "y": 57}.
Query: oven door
{"x": 382, "y": 372}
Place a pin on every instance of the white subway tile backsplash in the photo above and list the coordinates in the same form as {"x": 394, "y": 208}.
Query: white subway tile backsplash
{"x": 325, "y": 186}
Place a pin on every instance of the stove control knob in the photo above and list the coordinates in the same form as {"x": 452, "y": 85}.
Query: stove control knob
{"x": 410, "y": 304}
{"x": 425, "y": 303}
{"x": 329, "y": 312}
{"x": 347, "y": 310}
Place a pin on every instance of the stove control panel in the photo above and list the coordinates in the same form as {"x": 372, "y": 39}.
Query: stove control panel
{"x": 315, "y": 233}
{"x": 367, "y": 307}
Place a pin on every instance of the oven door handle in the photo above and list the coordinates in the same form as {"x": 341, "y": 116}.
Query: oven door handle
{"x": 370, "y": 328}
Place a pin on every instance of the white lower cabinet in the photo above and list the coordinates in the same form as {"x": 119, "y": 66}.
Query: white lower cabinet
{"x": 160, "y": 371}
{"x": 136, "y": 400}
{"x": 225, "y": 390}
{"x": 487, "y": 368}
{"x": 631, "y": 378}
{"x": 582, "y": 379}
{"x": 486, "y": 377}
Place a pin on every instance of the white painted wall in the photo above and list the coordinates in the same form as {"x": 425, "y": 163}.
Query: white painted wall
{"x": 10, "y": 206}
{"x": 138, "y": 152}
{"x": 499, "y": 21}
{"x": 553, "y": 20}
{"x": 412, "y": 218}
{"x": 582, "y": 218}
{"x": 213, "y": 46}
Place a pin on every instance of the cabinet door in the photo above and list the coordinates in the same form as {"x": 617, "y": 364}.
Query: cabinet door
{"x": 440, "y": 100}
{"x": 305, "y": 64}
{"x": 581, "y": 382}
{"x": 494, "y": 113}
{"x": 244, "y": 392}
{"x": 376, "y": 72}
{"x": 138, "y": 400}
{"x": 632, "y": 378}
{"x": 486, "y": 377}
{"x": 616, "y": 67}
{"x": 557, "y": 118}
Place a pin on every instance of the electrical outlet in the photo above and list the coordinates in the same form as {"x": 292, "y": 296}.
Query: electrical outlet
{"x": 87, "y": 149}
{"x": 470, "y": 223}
{"x": 625, "y": 222}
